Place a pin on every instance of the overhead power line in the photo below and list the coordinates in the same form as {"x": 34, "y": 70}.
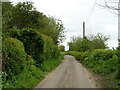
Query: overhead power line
{"x": 92, "y": 10}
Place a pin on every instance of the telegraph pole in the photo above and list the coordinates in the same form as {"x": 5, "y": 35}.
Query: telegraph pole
{"x": 119, "y": 23}
{"x": 83, "y": 29}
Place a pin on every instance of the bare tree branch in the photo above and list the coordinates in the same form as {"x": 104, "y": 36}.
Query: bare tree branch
{"x": 112, "y": 9}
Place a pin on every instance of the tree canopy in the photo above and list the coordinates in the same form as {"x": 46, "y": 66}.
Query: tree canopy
{"x": 24, "y": 15}
{"x": 90, "y": 43}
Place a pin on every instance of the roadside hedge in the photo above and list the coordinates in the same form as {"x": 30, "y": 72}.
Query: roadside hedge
{"x": 101, "y": 54}
{"x": 33, "y": 43}
{"x": 13, "y": 57}
{"x": 23, "y": 50}
{"x": 118, "y": 54}
{"x": 102, "y": 61}
{"x": 40, "y": 46}
{"x": 105, "y": 63}
{"x": 78, "y": 55}
{"x": 50, "y": 49}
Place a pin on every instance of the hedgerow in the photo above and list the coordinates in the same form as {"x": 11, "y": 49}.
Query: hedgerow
{"x": 31, "y": 75}
{"x": 118, "y": 54}
{"x": 102, "y": 62}
{"x": 78, "y": 55}
{"x": 38, "y": 50}
{"x": 33, "y": 43}
{"x": 13, "y": 57}
{"x": 38, "y": 45}
{"x": 50, "y": 49}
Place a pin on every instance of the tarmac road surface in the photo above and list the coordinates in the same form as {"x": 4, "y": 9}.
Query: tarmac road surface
{"x": 69, "y": 74}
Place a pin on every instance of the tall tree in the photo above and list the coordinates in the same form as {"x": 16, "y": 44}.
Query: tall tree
{"x": 24, "y": 15}
{"x": 6, "y": 15}
{"x": 86, "y": 44}
{"x": 99, "y": 41}
{"x": 54, "y": 28}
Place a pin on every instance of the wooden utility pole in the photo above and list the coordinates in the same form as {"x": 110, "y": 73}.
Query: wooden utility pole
{"x": 83, "y": 29}
{"x": 119, "y": 23}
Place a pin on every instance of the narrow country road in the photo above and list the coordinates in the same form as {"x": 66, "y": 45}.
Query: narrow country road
{"x": 69, "y": 74}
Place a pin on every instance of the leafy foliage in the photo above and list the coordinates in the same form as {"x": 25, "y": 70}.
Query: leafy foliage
{"x": 99, "y": 41}
{"x": 33, "y": 39}
{"x": 53, "y": 28}
{"x": 24, "y": 15}
{"x": 50, "y": 50}
{"x": 118, "y": 54}
{"x": 14, "y": 57}
{"x": 18, "y": 15}
{"x": 6, "y": 15}
{"x": 62, "y": 48}
{"x": 102, "y": 62}
{"x": 33, "y": 43}
{"x": 88, "y": 44}
{"x": 31, "y": 75}
{"x": 101, "y": 54}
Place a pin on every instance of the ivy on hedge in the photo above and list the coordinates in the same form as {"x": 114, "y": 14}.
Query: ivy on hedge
{"x": 33, "y": 43}
{"x": 50, "y": 50}
{"x": 41, "y": 47}
{"x": 13, "y": 56}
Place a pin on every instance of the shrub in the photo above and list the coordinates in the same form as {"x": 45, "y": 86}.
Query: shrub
{"x": 14, "y": 56}
{"x": 41, "y": 47}
{"x": 102, "y": 61}
{"x": 101, "y": 54}
{"x": 62, "y": 48}
{"x": 106, "y": 67}
{"x": 50, "y": 49}
{"x": 118, "y": 71}
{"x": 78, "y": 55}
{"x": 14, "y": 33}
{"x": 33, "y": 43}
{"x": 106, "y": 63}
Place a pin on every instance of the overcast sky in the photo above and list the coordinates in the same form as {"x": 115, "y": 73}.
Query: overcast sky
{"x": 74, "y": 12}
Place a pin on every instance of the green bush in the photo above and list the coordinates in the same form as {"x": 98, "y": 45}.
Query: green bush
{"x": 62, "y": 48}
{"x": 33, "y": 43}
{"x": 15, "y": 33}
{"x": 50, "y": 50}
{"x": 101, "y": 54}
{"x": 106, "y": 67}
{"x": 78, "y": 55}
{"x": 31, "y": 75}
{"x": 118, "y": 51}
{"x": 118, "y": 72}
{"x": 13, "y": 55}
{"x": 28, "y": 78}
{"x": 102, "y": 62}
